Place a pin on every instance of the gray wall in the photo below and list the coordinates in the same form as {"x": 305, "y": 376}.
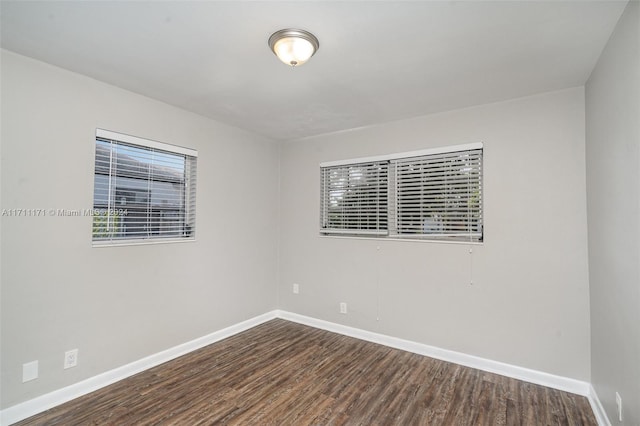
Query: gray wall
{"x": 120, "y": 304}
{"x": 529, "y": 301}
{"x": 613, "y": 194}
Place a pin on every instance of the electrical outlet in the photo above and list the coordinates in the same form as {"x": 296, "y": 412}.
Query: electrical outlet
{"x": 343, "y": 308}
{"x": 619, "y": 405}
{"x": 70, "y": 358}
{"x": 29, "y": 371}
{"x": 296, "y": 288}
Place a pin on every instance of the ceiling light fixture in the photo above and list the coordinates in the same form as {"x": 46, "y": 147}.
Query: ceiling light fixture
{"x": 293, "y": 47}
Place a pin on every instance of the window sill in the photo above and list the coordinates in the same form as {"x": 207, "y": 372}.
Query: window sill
{"x": 119, "y": 243}
{"x": 409, "y": 240}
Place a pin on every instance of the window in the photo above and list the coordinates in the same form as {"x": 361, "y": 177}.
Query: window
{"x": 144, "y": 191}
{"x": 432, "y": 194}
{"x": 355, "y": 198}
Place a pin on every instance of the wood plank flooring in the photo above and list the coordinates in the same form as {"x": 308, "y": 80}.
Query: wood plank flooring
{"x": 283, "y": 373}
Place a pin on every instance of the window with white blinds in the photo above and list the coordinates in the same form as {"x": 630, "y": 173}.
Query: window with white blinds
{"x": 438, "y": 196}
{"x": 433, "y": 194}
{"x": 144, "y": 191}
{"x": 354, "y": 198}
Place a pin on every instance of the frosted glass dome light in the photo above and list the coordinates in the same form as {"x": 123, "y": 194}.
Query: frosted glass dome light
{"x": 293, "y": 47}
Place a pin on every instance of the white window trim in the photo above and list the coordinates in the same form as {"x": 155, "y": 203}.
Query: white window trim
{"x": 420, "y": 153}
{"x": 148, "y": 143}
{"x": 396, "y": 238}
{"x": 378, "y": 236}
{"x": 141, "y": 242}
{"x": 143, "y": 143}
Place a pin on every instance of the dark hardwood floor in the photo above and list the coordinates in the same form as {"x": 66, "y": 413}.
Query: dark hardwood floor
{"x": 283, "y": 373}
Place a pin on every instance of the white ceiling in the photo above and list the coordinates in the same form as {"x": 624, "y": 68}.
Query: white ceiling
{"x": 378, "y": 61}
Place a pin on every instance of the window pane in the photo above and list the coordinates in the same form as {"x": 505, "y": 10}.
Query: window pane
{"x": 354, "y": 198}
{"x": 439, "y": 196}
{"x": 142, "y": 192}
{"x": 433, "y": 195}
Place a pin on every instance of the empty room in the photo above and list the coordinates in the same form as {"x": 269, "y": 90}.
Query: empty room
{"x": 320, "y": 212}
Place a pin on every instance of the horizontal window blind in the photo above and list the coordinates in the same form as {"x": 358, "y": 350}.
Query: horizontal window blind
{"x": 354, "y": 198}
{"x": 437, "y": 196}
{"x": 433, "y": 194}
{"x": 143, "y": 192}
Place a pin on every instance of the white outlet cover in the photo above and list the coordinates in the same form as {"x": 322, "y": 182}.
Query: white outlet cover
{"x": 343, "y": 308}
{"x": 70, "y": 358}
{"x": 296, "y": 288}
{"x": 29, "y": 371}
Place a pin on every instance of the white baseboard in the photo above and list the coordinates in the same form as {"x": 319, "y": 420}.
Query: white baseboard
{"x": 598, "y": 409}
{"x": 532, "y": 376}
{"x": 45, "y": 402}
{"x": 34, "y": 406}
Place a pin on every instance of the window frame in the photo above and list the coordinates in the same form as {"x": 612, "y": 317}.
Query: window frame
{"x": 366, "y": 186}
{"x": 392, "y": 232}
{"x": 187, "y": 197}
